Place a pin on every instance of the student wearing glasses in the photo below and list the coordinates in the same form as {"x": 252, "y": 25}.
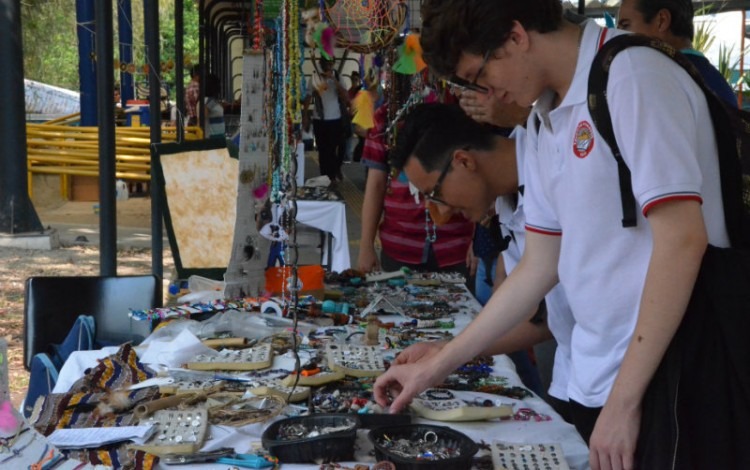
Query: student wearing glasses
{"x": 628, "y": 288}
{"x": 440, "y": 128}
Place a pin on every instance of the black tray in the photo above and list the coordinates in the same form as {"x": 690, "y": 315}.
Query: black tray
{"x": 416, "y": 431}
{"x": 332, "y": 447}
{"x": 383, "y": 419}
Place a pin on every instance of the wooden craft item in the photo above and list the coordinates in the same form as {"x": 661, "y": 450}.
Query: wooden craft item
{"x": 257, "y": 357}
{"x": 144, "y": 410}
{"x": 177, "y": 432}
{"x": 354, "y": 360}
{"x": 372, "y": 332}
{"x": 509, "y": 456}
{"x": 217, "y": 343}
{"x": 234, "y": 409}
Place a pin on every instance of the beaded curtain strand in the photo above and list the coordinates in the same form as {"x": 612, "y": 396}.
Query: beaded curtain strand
{"x": 290, "y": 20}
{"x": 257, "y": 37}
{"x": 294, "y": 104}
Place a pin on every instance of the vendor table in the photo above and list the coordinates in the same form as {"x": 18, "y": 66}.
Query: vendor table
{"x": 330, "y": 218}
{"x": 552, "y": 431}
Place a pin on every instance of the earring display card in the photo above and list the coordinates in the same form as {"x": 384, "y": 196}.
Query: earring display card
{"x": 187, "y": 386}
{"x": 177, "y": 431}
{"x": 259, "y": 357}
{"x": 454, "y": 409}
{"x": 510, "y": 456}
{"x": 355, "y": 361}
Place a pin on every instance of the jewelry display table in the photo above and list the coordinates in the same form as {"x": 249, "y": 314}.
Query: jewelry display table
{"x": 525, "y": 421}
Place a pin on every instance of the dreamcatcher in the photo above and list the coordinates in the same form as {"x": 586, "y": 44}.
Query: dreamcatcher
{"x": 365, "y": 26}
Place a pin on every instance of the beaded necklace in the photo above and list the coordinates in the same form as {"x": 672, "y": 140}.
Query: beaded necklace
{"x": 258, "y": 24}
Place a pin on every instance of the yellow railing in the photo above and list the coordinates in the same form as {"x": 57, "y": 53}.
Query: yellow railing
{"x": 66, "y": 150}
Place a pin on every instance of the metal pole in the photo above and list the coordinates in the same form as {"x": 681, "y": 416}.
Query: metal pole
{"x": 742, "y": 58}
{"x": 201, "y": 107}
{"x": 179, "y": 73}
{"x": 581, "y": 7}
{"x": 151, "y": 19}
{"x": 86, "y": 67}
{"x": 17, "y": 214}
{"x": 125, "y": 28}
{"x": 105, "y": 83}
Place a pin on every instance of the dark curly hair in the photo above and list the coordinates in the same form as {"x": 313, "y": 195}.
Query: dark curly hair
{"x": 451, "y": 27}
{"x": 432, "y": 132}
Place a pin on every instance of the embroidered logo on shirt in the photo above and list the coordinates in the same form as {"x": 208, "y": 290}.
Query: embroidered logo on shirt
{"x": 583, "y": 143}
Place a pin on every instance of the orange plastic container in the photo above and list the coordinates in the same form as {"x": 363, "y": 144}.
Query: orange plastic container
{"x": 310, "y": 277}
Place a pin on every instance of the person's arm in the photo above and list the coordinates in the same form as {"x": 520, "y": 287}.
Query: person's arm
{"x": 680, "y": 239}
{"x": 372, "y": 210}
{"x": 523, "y": 336}
{"x": 521, "y": 292}
{"x": 343, "y": 95}
{"x": 472, "y": 261}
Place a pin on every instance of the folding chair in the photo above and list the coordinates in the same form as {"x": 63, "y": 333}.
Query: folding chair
{"x": 52, "y": 304}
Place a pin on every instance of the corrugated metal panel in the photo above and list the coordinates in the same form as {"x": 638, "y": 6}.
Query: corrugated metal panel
{"x": 47, "y": 99}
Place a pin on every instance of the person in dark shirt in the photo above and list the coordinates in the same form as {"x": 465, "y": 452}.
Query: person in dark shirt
{"x": 672, "y": 22}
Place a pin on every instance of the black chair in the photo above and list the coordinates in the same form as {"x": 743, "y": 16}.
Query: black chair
{"x": 52, "y": 304}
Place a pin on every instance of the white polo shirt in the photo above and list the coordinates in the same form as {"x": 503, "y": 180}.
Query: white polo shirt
{"x": 664, "y": 131}
{"x": 559, "y": 316}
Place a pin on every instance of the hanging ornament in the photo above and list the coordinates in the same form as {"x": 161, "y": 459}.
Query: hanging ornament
{"x": 365, "y": 26}
{"x": 364, "y": 109}
{"x": 410, "y": 56}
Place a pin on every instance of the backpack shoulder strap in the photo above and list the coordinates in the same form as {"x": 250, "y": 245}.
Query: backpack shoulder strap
{"x": 725, "y": 129}
{"x": 599, "y": 109}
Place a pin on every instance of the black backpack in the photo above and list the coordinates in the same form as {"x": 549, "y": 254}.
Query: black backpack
{"x": 696, "y": 411}
{"x": 731, "y": 125}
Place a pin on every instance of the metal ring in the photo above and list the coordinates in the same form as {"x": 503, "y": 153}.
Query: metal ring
{"x": 430, "y": 440}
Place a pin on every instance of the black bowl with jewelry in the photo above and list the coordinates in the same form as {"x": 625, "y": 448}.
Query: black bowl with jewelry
{"x": 423, "y": 447}
{"x": 315, "y": 438}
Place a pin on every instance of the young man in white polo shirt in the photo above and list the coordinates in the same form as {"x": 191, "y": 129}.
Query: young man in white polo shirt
{"x": 628, "y": 288}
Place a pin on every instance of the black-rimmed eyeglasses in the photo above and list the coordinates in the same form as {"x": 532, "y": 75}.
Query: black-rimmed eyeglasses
{"x": 462, "y": 84}
{"x": 434, "y": 195}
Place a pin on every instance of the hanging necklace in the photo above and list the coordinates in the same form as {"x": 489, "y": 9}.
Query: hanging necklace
{"x": 429, "y": 237}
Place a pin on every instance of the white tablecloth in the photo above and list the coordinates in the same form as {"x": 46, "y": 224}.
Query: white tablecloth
{"x": 329, "y": 216}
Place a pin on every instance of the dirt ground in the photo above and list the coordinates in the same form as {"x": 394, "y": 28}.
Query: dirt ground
{"x": 70, "y": 260}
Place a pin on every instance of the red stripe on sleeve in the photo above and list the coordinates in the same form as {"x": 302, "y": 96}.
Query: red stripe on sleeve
{"x": 682, "y": 197}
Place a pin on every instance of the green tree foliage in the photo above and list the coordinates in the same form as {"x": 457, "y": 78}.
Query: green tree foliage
{"x": 50, "y": 44}
{"x": 50, "y": 40}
